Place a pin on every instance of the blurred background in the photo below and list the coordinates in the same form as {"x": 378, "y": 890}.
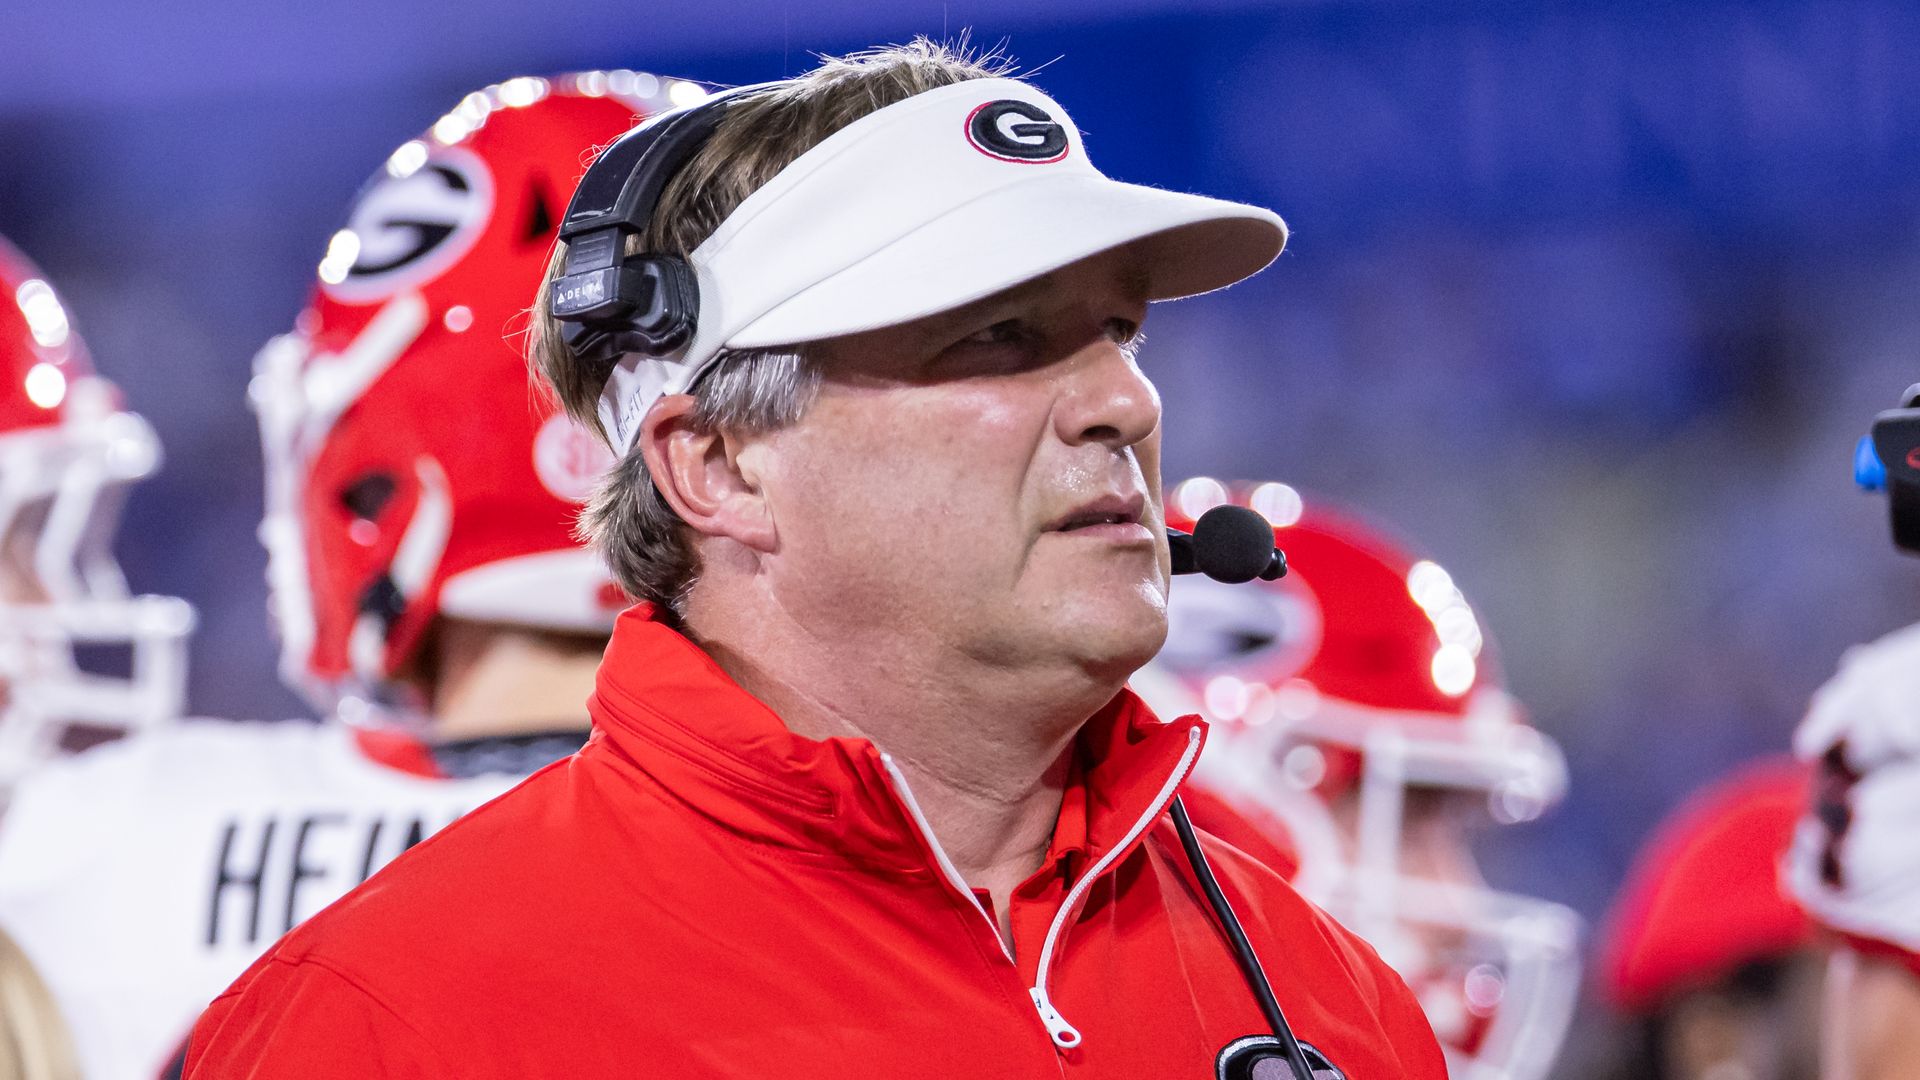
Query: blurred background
{"x": 1589, "y": 299}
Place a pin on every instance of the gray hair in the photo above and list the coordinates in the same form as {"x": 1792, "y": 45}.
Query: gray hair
{"x": 629, "y": 522}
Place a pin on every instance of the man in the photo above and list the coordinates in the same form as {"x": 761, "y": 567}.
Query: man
{"x": 1361, "y": 724}
{"x": 1713, "y": 964}
{"x": 865, "y": 796}
{"x": 430, "y": 597}
{"x": 1855, "y": 862}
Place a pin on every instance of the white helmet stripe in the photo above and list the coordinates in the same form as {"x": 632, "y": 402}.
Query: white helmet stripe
{"x": 331, "y": 383}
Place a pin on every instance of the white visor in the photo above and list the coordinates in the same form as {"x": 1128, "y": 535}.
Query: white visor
{"x": 930, "y": 203}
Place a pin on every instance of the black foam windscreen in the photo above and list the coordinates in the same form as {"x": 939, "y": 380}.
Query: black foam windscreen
{"x": 1232, "y": 544}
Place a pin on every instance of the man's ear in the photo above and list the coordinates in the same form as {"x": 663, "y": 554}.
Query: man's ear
{"x": 700, "y": 474}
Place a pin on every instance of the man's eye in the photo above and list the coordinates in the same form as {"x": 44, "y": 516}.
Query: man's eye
{"x": 1006, "y": 332}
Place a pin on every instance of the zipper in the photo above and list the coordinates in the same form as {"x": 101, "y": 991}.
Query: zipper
{"x": 901, "y": 789}
{"x": 1065, "y": 1035}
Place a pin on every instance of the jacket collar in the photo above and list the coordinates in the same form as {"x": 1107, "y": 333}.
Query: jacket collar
{"x": 663, "y": 705}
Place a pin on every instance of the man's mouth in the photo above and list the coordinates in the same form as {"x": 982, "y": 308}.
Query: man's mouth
{"x": 1121, "y": 511}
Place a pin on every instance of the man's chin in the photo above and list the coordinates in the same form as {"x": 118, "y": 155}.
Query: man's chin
{"x": 1116, "y": 634}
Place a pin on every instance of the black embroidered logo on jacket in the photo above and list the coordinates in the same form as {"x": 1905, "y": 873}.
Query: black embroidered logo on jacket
{"x": 1259, "y": 1057}
{"x": 1016, "y": 131}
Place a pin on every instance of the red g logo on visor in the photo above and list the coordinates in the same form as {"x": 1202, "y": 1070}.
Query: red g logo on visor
{"x": 1016, "y": 131}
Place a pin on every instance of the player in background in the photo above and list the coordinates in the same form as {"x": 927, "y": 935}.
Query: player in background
{"x": 81, "y": 660}
{"x": 1714, "y": 965}
{"x": 425, "y": 583}
{"x": 1855, "y": 863}
{"x": 1360, "y": 726}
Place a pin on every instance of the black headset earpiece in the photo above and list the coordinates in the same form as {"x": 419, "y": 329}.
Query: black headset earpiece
{"x": 608, "y": 302}
{"x": 1896, "y": 441}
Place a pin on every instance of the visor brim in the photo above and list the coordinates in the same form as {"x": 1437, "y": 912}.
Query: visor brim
{"x": 1186, "y": 244}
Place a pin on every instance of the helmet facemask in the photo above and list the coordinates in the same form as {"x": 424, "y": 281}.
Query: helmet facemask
{"x": 81, "y": 659}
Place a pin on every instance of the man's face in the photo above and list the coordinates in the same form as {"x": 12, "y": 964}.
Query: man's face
{"x": 1437, "y": 828}
{"x": 985, "y": 482}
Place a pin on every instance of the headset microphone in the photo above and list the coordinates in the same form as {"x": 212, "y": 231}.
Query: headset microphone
{"x": 1233, "y": 544}
{"x": 1229, "y": 543}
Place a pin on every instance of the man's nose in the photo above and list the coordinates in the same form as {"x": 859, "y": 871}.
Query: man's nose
{"x": 1106, "y": 399}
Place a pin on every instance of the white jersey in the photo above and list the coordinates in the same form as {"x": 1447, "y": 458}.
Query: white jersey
{"x": 1855, "y": 863}
{"x": 142, "y": 877}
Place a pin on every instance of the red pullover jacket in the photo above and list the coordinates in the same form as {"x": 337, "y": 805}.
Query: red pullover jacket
{"x": 700, "y": 893}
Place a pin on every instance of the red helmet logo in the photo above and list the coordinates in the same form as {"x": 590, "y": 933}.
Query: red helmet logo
{"x": 409, "y": 226}
{"x": 569, "y": 459}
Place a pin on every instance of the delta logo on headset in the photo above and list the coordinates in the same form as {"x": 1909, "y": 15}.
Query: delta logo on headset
{"x": 1259, "y": 1057}
{"x": 1017, "y": 131}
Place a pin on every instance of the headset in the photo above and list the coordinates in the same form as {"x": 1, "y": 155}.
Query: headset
{"x": 1233, "y": 544}
{"x": 1889, "y": 459}
{"x": 611, "y": 303}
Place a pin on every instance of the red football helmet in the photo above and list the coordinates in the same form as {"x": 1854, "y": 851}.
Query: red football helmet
{"x": 412, "y": 472}
{"x": 67, "y": 457}
{"x": 1342, "y": 699}
{"x": 1704, "y": 896}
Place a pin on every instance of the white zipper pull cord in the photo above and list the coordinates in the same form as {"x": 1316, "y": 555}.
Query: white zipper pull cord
{"x": 1065, "y": 1035}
